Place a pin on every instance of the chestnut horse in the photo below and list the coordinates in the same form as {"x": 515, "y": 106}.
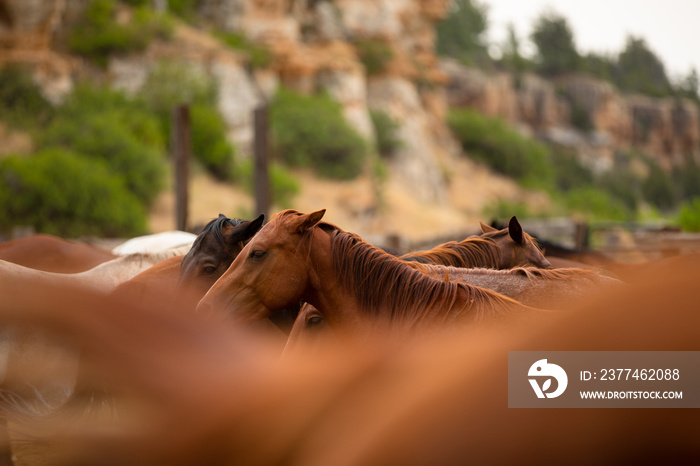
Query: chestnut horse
{"x": 53, "y": 254}
{"x": 310, "y": 329}
{"x": 296, "y": 258}
{"x": 497, "y": 249}
{"x": 542, "y": 288}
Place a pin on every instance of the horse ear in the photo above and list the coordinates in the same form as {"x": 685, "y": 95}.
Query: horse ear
{"x": 515, "y": 230}
{"x": 257, "y": 223}
{"x": 307, "y": 221}
{"x": 486, "y": 228}
{"x": 244, "y": 231}
{"x": 253, "y": 226}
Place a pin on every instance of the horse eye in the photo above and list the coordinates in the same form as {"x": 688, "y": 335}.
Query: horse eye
{"x": 314, "y": 321}
{"x": 257, "y": 254}
{"x": 209, "y": 270}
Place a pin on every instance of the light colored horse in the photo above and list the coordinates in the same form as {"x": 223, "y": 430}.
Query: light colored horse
{"x": 156, "y": 242}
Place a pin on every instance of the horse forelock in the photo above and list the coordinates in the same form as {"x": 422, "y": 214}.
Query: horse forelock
{"x": 216, "y": 227}
{"x": 385, "y": 284}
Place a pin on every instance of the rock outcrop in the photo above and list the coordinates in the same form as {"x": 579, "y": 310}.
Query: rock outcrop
{"x": 585, "y": 113}
{"x": 314, "y": 46}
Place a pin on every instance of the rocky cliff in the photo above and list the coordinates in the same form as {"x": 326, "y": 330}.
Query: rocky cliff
{"x": 315, "y": 46}
{"x": 312, "y": 44}
{"x": 582, "y": 112}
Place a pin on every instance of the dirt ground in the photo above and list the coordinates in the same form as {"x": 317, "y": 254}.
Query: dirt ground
{"x": 352, "y": 205}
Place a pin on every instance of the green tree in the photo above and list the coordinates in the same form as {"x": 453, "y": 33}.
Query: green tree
{"x": 640, "y": 70}
{"x": 599, "y": 65}
{"x": 311, "y": 131}
{"x": 690, "y": 86}
{"x": 512, "y": 57}
{"x": 461, "y": 34}
{"x": 21, "y": 103}
{"x": 657, "y": 188}
{"x": 555, "y": 45}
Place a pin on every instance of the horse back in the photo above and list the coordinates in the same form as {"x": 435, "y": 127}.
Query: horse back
{"x": 53, "y": 254}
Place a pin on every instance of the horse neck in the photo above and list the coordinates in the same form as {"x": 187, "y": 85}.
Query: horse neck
{"x": 471, "y": 252}
{"x": 505, "y": 282}
{"x": 385, "y": 288}
{"x": 327, "y": 291}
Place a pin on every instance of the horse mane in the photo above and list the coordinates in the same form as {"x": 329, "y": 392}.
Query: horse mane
{"x": 471, "y": 252}
{"x": 446, "y": 272}
{"x": 216, "y": 227}
{"x": 381, "y": 281}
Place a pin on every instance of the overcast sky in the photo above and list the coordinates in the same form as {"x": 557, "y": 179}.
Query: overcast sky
{"x": 671, "y": 27}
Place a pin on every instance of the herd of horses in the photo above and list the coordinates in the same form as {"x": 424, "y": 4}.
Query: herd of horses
{"x": 297, "y": 342}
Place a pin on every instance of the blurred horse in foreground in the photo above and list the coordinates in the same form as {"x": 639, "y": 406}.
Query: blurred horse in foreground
{"x": 189, "y": 389}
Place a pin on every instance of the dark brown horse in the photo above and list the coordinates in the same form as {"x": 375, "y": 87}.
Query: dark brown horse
{"x": 214, "y": 249}
{"x": 296, "y": 258}
{"x": 497, "y": 249}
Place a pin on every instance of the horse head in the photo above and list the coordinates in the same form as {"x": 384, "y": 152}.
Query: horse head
{"x": 517, "y": 247}
{"x": 271, "y": 272}
{"x": 310, "y": 329}
{"x": 215, "y": 248}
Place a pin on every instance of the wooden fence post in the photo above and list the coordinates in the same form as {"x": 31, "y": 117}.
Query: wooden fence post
{"x": 581, "y": 233}
{"x": 181, "y": 160}
{"x": 261, "y": 154}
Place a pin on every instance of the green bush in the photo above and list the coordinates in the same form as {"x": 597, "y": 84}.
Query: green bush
{"x": 283, "y": 185}
{"x": 171, "y": 83}
{"x": 209, "y": 143}
{"x": 65, "y": 194}
{"x": 689, "y": 215}
{"x": 21, "y": 103}
{"x": 658, "y": 189}
{"x": 504, "y": 210}
{"x": 310, "y": 131}
{"x": 104, "y": 125}
{"x": 386, "y": 132}
{"x": 374, "y": 55}
{"x": 258, "y": 56}
{"x": 623, "y": 186}
{"x": 503, "y": 148}
{"x": 595, "y": 204}
{"x": 686, "y": 179}
{"x": 569, "y": 173}
{"x": 98, "y": 35}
